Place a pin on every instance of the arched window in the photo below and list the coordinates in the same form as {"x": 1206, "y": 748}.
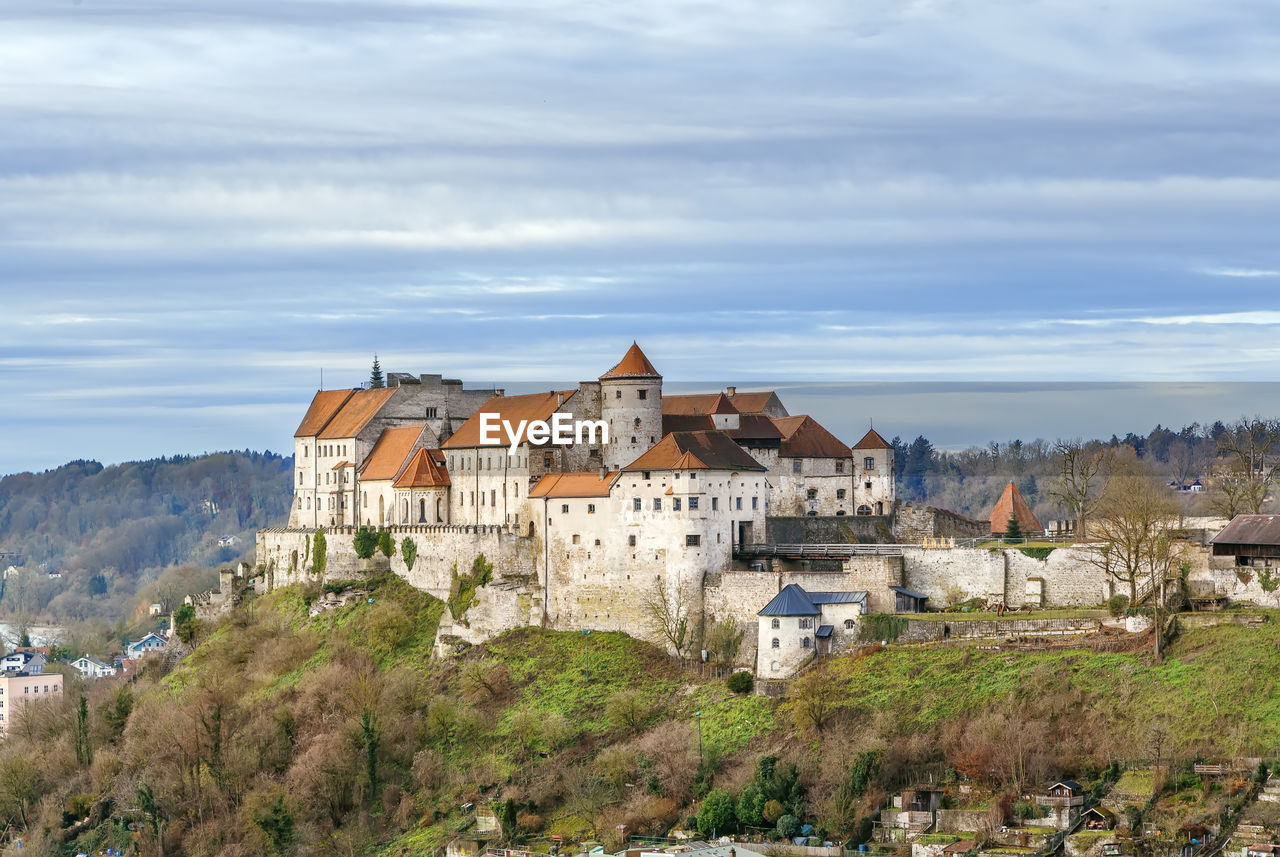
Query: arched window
{"x": 775, "y": 624}
{"x": 805, "y": 643}
{"x": 864, "y": 510}
{"x": 848, "y": 624}
{"x": 422, "y": 511}
{"x": 776, "y": 644}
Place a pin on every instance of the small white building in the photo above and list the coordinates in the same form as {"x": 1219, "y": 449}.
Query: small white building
{"x": 24, "y": 661}
{"x": 92, "y": 668}
{"x": 150, "y": 643}
{"x": 798, "y": 625}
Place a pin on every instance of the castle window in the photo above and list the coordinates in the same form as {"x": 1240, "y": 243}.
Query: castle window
{"x": 839, "y": 493}
{"x": 868, "y": 463}
{"x": 564, "y": 510}
{"x": 617, "y": 394}
{"x": 812, "y": 493}
{"x": 715, "y": 504}
{"x": 806, "y": 643}
{"x": 631, "y": 541}
{"x": 593, "y": 453}
{"x": 364, "y": 498}
{"x": 637, "y": 422}
{"x": 693, "y": 504}
{"x": 306, "y": 452}
{"x": 692, "y": 541}
{"x": 299, "y": 477}
{"x": 577, "y": 539}
{"x": 431, "y": 413}
{"x": 866, "y": 485}
{"x": 597, "y": 543}
{"x": 806, "y": 623}
{"x": 775, "y": 624}
{"x": 546, "y": 461}
{"x": 644, "y": 394}
{"x": 636, "y": 504}
{"x": 657, "y": 504}
{"x": 839, "y": 467}
{"x": 738, "y": 503}
{"x": 675, "y": 504}
{"x": 591, "y": 508}
{"x": 775, "y": 643}
{"x": 755, "y": 502}
{"x": 839, "y": 512}
{"x": 645, "y": 474}
{"x": 848, "y": 624}
{"x": 633, "y": 438}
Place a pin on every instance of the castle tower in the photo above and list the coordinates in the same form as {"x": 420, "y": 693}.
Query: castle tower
{"x": 631, "y": 405}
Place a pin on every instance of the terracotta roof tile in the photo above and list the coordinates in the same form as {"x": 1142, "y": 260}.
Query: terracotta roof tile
{"x": 1009, "y": 504}
{"x": 750, "y": 426}
{"x": 695, "y": 450}
{"x": 804, "y": 437}
{"x": 532, "y": 406}
{"x": 390, "y": 454}
{"x": 423, "y": 471}
{"x": 555, "y": 485}
{"x": 323, "y": 406}
{"x": 632, "y": 365}
{"x": 705, "y": 403}
{"x": 872, "y": 440}
{"x": 356, "y": 412}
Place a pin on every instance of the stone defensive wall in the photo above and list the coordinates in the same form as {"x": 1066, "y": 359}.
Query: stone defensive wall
{"x": 964, "y": 628}
{"x": 1066, "y": 578}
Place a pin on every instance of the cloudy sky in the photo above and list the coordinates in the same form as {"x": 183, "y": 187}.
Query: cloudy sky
{"x": 206, "y": 203}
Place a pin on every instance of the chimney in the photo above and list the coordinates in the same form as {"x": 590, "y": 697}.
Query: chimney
{"x": 604, "y": 473}
{"x": 729, "y": 391}
{"x": 559, "y": 399}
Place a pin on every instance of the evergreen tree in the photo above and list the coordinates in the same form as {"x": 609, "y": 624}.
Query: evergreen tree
{"x": 1013, "y": 530}
{"x": 376, "y": 379}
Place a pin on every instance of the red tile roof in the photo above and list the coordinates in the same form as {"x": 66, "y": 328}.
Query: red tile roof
{"x": 555, "y": 485}
{"x": 323, "y": 406}
{"x": 872, "y": 440}
{"x": 750, "y": 426}
{"x": 390, "y": 454}
{"x": 1010, "y": 504}
{"x": 695, "y": 450}
{"x": 804, "y": 437}
{"x": 356, "y": 412}
{"x": 423, "y": 471}
{"x": 704, "y": 403}
{"x": 532, "y": 406}
{"x": 632, "y": 365}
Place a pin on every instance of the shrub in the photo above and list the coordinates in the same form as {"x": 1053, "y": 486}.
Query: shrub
{"x": 365, "y": 542}
{"x": 319, "y": 553}
{"x": 386, "y": 544}
{"x": 1118, "y": 604}
{"x": 409, "y": 550}
{"x": 716, "y": 815}
{"x": 740, "y": 682}
{"x": 788, "y": 827}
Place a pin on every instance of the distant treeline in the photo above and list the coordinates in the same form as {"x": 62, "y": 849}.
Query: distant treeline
{"x": 108, "y": 529}
{"x": 970, "y": 481}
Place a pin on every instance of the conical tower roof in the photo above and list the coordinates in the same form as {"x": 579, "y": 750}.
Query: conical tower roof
{"x": 632, "y": 365}
{"x": 1010, "y": 505}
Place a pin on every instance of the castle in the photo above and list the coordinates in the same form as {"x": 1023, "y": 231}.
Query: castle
{"x": 683, "y": 502}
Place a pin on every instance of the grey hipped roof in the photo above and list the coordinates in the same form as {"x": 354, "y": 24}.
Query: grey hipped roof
{"x": 794, "y": 601}
{"x": 911, "y": 592}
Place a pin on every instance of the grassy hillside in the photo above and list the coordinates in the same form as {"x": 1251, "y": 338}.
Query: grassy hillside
{"x": 283, "y": 733}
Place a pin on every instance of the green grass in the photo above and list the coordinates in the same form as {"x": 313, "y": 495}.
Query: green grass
{"x": 1065, "y": 613}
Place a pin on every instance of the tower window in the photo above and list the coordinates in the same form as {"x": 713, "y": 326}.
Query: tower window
{"x": 692, "y": 541}
{"x": 868, "y": 463}
{"x": 839, "y": 467}
{"x": 795, "y": 465}
{"x": 644, "y": 394}
{"x": 775, "y": 624}
{"x": 564, "y": 510}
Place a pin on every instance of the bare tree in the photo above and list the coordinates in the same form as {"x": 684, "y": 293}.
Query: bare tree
{"x": 1251, "y": 449}
{"x": 1135, "y": 539}
{"x": 1082, "y": 469}
{"x": 667, "y": 617}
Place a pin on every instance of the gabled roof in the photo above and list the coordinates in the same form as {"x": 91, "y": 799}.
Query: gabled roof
{"x": 324, "y": 406}
{"x": 872, "y": 440}
{"x": 362, "y": 406}
{"x": 557, "y": 485}
{"x": 391, "y": 453}
{"x": 703, "y": 403}
{"x": 1010, "y": 504}
{"x": 722, "y": 405}
{"x": 424, "y": 470}
{"x": 632, "y": 365}
{"x": 1250, "y": 530}
{"x": 695, "y": 450}
{"x": 791, "y": 601}
{"x": 750, "y": 426}
{"x": 804, "y": 437}
{"x": 530, "y": 407}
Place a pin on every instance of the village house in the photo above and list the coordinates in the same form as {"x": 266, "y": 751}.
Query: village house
{"x": 150, "y": 643}
{"x": 798, "y": 625}
{"x": 1248, "y": 541}
{"x": 24, "y": 660}
{"x": 19, "y": 689}
{"x": 92, "y": 667}
{"x": 1062, "y": 802}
